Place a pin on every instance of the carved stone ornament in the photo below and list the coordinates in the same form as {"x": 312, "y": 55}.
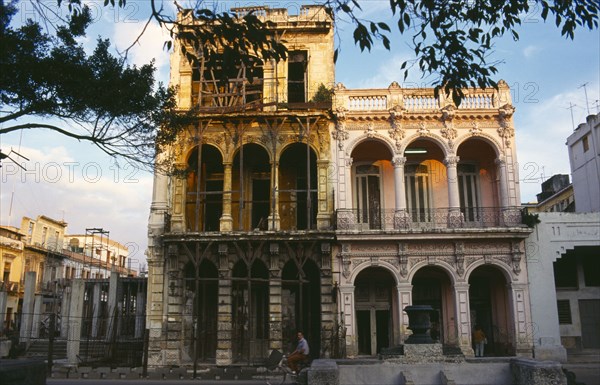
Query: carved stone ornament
{"x": 459, "y": 255}
{"x": 475, "y": 129}
{"x": 423, "y": 130}
{"x": 517, "y": 255}
{"x": 346, "y": 266}
{"x": 396, "y": 132}
{"x": 448, "y": 131}
{"x": 506, "y": 131}
{"x": 370, "y": 131}
{"x": 340, "y": 133}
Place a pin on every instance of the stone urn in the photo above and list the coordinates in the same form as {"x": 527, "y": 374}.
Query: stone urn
{"x": 419, "y": 323}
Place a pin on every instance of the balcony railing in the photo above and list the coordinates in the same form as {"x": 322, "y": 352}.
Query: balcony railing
{"x": 426, "y": 219}
{"x": 417, "y": 99}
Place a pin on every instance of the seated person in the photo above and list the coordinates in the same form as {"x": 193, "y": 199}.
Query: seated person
{"x": 298, "y": 355}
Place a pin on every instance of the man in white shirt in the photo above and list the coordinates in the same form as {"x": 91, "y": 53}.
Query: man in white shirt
{"x": 300, "y": 354}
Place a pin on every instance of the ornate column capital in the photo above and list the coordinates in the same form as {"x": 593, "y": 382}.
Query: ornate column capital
{"x": 398, "y": 161}
{"x": 451, "y": 160}
{"x": 500, "y": 161}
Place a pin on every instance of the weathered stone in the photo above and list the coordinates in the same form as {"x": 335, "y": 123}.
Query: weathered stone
{"x": 323, "y": 372}
{"x": 526, "y": 371}
{"x": 423, "y": 353}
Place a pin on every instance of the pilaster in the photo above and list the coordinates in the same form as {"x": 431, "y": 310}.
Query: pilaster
{"x": 226, "y": 223}
{"x": 463, "y": 318}
{"x": 224, "y": 317}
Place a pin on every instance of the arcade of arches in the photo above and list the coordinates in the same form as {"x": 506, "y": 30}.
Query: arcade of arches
{"x": 466, "y": 283}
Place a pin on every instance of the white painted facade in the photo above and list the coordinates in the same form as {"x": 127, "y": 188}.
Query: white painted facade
{"x": 552, "y": 237}
{"x": 584, "y": 156}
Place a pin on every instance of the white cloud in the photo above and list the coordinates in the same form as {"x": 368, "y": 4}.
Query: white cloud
{"x": 86, "y": 193}
{"x": 531, "y": 50}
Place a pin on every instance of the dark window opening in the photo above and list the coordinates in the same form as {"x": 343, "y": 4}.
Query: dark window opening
{"x": 564, "y": 312}
{"x": 565, "y": 271}
{"x": 591, "y": 266}
{"x": 297, "y": 62}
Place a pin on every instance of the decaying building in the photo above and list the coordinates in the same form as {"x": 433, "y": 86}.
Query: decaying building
{"x": 289, "y": 214}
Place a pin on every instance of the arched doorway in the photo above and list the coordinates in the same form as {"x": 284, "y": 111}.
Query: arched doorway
{"x": 490, "y": 309}
{"x": 294, "y": 172}
{"x": 250, "y": 308}
{"x": 301, "y": 304}
{"x": 432, "y": 286}
{"x": 199, "y": 312}
{"x": 425, "y": 182}
{"x": 204, "y": 198}
{"x": 374, "y": 299}
{"x": 251, "y": 181}
{"x": 372, "y": 170}
{"x": 477, "y": 187}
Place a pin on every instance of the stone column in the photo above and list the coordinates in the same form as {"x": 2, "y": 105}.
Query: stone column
{"x": 224, "y": 317}
{"x": 226, "y": 223}
{"x": 275, "y": 316}
{"x": 113, "y": 308}
{"x": 503, "y": 181}
{"x": 519, "y": 298}
{"x": 27, "y": 309}
{"x": 140, "y": 310}
{"x": 65, "y": 306}
{"x": 346, "y": 217}
{"x": 348, "y": 318}
{"x": 174, "y": 302}
{"x": 179, "y": 197}
{"x": 3, "y": 306}
{"x": 401, "y": 218}
{"x": 506, "y": 217}
{"x": 37, "y": 316}
{"x": 323, "y": 214}
{"x": 274, "y": 219}
{"x": 454, "y": 214}
{"x": 75, "y": 318}
{"x": 155, "y": 310}
{"x": 96, "y": 301}
{"x": 463, "y": 317}
{"x": 328, "y": 307}
{"x": 404, "y": 300}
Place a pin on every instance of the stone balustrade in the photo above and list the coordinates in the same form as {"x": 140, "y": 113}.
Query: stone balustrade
{"x": 417, "y": 99}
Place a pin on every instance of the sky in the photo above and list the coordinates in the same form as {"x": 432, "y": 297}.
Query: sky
{"x": 75, "y": 182}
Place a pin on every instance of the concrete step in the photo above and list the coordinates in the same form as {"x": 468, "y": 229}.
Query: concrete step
{"x": 588, "y": 356}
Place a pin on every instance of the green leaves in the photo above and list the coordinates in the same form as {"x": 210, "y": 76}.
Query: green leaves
{"x": 46, "y": 78}
{"x": 453, "y": 40}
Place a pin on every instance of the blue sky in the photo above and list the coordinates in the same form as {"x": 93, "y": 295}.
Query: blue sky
{"x": 78, "y": 183}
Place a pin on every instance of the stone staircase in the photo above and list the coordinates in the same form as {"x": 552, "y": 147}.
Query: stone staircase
{"x": 39, "y": 349}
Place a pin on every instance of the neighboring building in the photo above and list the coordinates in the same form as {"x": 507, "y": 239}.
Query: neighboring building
{"x": 37, "y": 247}
{"x": 43, "y": 248}
{"x": 100, "y": 255}
{"x": 584, "y": 157}
{"x": 563, "y": 257}
{"x": 556, "y": 196}
{"x": 286, "y": 214}
{"x": 11, "y": 262}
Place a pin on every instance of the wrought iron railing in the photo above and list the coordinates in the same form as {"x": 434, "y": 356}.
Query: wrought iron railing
{"x": 438, "y": 218}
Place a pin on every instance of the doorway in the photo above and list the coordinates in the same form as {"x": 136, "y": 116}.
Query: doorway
{"x": 260, "y": 203}
{"x": 490, "y": 309}
{"x": 373, "y": 296}
{"x": 368, "y": 195}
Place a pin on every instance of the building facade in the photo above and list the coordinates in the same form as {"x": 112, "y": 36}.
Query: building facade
{"x": 284, "y": 213}
{"x": 562, "y": 256}
{"x": 12, "y": 262}
{"x": 584, "y": 157}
